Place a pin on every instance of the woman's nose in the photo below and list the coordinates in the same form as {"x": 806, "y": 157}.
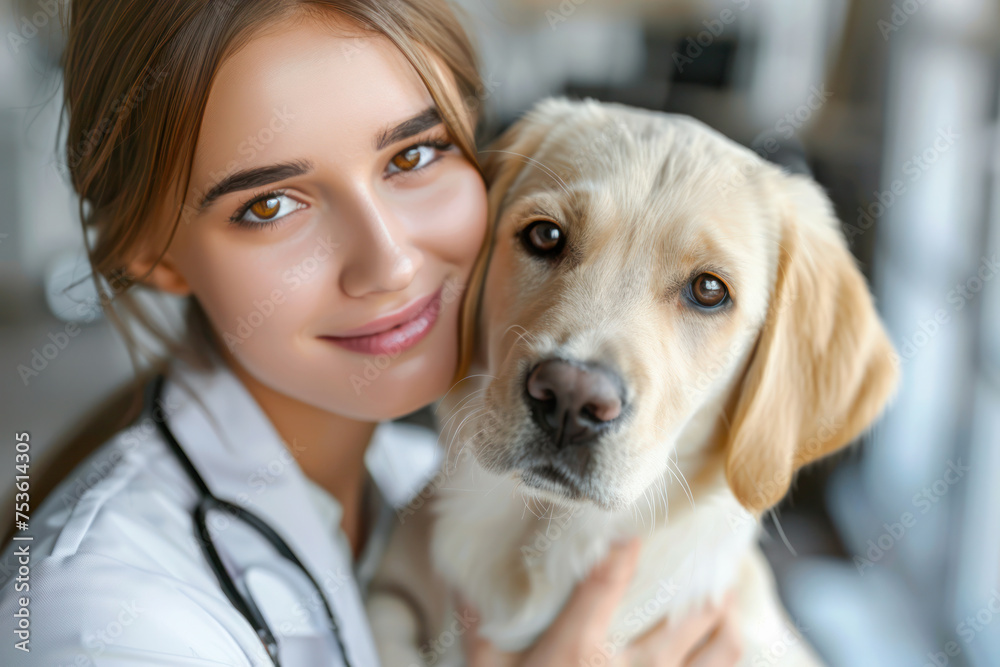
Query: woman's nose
{"x": 382, "y": 257}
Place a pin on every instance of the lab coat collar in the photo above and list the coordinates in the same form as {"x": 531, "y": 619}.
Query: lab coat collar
{"x": 242, "y": 458}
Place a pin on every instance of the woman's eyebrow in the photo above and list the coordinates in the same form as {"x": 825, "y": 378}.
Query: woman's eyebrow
{"x": 424, "y": 120}
{"x": 254, "y": 178}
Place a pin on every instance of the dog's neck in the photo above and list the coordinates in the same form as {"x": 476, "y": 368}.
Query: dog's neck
{"x": 530, "y": 553}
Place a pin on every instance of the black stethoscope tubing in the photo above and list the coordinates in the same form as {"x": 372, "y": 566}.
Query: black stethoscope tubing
{"x": 245, "y": 605}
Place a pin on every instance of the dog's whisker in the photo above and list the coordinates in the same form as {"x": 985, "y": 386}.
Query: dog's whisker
{"x": 781, "y": 532}
{"x": 528, "y": 500}
{"x": 458, "y": 429}
{"x": 451, "y": 433}
{"x": 494, "y": 487}
{"x": 452, "y": 388}
{"x": 524, "y": 332}
{"x": 681, "y": 479}
{"x": 476, "y": 434}
{"x": 645, "y": 496}
{"x": 466, "y": 402}
{"x": 468, "y": 405}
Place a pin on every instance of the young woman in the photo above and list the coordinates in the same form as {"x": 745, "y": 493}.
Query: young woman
{"x": 303, "y": 175}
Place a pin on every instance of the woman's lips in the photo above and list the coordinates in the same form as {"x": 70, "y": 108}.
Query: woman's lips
{"x": 397, "y": 338}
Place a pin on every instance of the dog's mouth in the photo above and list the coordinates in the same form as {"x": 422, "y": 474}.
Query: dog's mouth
{"x": 550, "y": 478}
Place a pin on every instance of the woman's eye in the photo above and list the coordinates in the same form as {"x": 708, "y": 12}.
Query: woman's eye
{"x": 416, "y": 157}
{"x": 708, "y": 290}
{"x": 268, "y": 208}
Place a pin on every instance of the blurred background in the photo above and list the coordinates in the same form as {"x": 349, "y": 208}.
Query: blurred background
{"x": 887, "y": 555}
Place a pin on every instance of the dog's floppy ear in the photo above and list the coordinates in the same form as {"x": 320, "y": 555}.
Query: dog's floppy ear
{"x": 502, "y": 162}
{"x": 823, "y": 367}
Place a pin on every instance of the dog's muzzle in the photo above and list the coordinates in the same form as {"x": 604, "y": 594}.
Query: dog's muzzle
{"x": 573, "y": 404}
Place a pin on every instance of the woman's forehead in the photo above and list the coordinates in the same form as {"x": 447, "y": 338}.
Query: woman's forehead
{"x": 304, "y": 88}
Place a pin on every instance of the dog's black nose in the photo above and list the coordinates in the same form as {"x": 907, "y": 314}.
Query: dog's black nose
{"x": 573, "y": 401}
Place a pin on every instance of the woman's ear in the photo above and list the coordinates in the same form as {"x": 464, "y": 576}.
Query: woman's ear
{"x": 158, "y": 271}
{"x": 823, "y": 367}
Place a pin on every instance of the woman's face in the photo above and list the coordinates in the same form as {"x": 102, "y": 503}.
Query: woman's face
{"x": 326, "y": 204}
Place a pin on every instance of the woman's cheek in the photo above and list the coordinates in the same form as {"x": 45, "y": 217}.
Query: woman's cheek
{"x": 450, "y": 218}
{"x": 258, "y": 304}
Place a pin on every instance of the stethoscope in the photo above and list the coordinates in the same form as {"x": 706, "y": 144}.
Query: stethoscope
{"x": 245, "y": 605}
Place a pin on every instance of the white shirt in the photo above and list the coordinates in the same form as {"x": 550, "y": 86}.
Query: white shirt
{"x": 118, "y": 578}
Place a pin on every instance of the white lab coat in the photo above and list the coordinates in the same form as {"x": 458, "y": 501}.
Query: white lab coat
{"x": 117, "y": 578}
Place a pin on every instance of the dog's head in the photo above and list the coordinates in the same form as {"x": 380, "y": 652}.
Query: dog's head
{"x": 654, "y": 291}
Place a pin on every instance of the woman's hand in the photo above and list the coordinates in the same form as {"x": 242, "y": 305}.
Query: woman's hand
{"x": 579, "y": 636}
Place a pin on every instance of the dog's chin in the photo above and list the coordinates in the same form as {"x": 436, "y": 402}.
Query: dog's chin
{"x": 548, "y": 483}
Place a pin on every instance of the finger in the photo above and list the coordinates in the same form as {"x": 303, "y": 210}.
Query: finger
{"x": 725, "y": 647}
{"x": 582, "y": 626}
{"x": 596, "y": 598}
{"x": 677, "y": 639}
{"x": 480, "y": 652}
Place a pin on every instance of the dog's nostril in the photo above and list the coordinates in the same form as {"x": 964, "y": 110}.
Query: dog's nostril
{"x": 573, "y": 400}
{"x": 604, "y": 410}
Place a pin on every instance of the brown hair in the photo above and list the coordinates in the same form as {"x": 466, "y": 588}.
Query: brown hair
{"x": 137, "y": 79}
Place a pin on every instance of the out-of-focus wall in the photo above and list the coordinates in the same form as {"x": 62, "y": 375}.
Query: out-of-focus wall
{"x": 51, "y": 376}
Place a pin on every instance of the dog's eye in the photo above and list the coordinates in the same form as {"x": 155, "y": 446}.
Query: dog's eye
{"x": 544, "y": 238}
{"x": 708, "y": 290}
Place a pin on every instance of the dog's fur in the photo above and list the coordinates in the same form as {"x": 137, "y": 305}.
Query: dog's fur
{"x": 722, "y": 406}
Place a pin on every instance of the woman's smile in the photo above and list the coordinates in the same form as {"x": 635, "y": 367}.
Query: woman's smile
{"x": 394, "y": 333}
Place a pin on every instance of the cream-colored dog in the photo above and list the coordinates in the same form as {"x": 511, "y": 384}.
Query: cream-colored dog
{"x": 667, "y": 328}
